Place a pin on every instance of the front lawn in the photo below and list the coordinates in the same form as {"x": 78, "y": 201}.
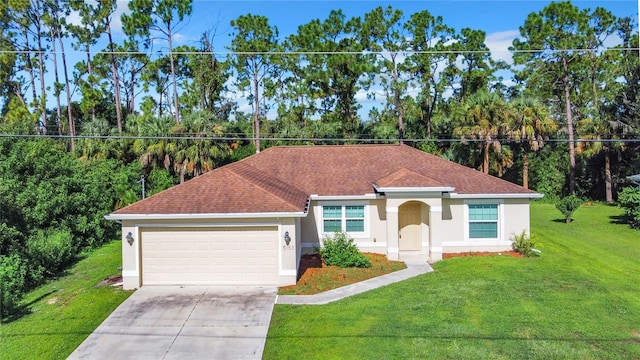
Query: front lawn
{"x": 61, "y": 314}
{"x": 579, "y": 300}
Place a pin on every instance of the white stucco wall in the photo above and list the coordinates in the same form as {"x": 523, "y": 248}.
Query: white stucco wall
{"x": 373, "y": 241}
{"x": 287, "y": 254}
{"x": 513, "y": 219}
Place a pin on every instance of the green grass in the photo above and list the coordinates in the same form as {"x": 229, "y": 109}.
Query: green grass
{"x": 61, "y": 314}
{"x": 579, "y": 300}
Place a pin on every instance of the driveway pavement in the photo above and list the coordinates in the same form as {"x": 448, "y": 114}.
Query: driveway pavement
{"x": 171, "y": 322}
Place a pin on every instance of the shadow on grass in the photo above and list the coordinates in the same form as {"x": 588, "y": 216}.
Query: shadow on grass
{"x": 630, "y": 339}
{"x": 24, "y": 309}
{"x": 619, "y": 220}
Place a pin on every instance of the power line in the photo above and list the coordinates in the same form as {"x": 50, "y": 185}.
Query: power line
{"x": 273, "y": 53}
{"x": 305, "y": 139}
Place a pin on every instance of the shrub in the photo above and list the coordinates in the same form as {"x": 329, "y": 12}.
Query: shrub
{"x": 13, "y": 282}
{"x": 629, "y": 201}
{"x": 568, "y": 205}
{"x": 524, "y": 245}
{"x": 340, "y": 250}
{"x": 52, "y": 252}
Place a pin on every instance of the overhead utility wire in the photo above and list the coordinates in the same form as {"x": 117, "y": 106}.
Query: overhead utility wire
{"x": 409, "y": 52}
{"x": 365, "y": 140}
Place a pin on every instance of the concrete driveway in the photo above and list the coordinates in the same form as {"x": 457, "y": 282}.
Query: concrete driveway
{"x": 171, "y": 322}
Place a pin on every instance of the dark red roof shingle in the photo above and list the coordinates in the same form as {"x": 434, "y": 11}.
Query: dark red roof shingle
{"x": 281, "y": 179}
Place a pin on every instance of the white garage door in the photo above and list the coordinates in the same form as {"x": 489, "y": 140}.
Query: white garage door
{"x": 210, "y": 256}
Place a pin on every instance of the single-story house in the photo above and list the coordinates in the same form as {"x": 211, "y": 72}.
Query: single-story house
{"x": 249, "y": 222}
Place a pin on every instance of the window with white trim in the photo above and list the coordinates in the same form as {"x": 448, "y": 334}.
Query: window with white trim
{"x": 343, "y": 218}
{"x": 483, "y": 221}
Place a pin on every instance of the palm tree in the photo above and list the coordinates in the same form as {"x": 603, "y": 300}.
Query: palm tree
{"x": 197, "y": 156}
{"x": 96, "y": 147}
{"x": 529, "y": 124}
{"x": 158, "y": 151}
{"x": 484, "y": 119}
{"x": 602, "y": 129}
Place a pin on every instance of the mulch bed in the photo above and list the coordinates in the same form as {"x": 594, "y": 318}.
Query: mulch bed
{"x": 111, "y": 280}
{"x": 313, "y": 261}
{"x": 511, "y": 253}
{"x": 315, "y": 276}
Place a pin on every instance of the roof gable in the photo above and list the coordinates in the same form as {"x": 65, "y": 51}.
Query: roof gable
{"x": 407, "y": 178}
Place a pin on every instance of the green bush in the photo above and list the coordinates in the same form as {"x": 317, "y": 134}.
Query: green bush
{"x": 568, "y": 205}
{"x": 629, "y": 201}
{"x": 13, "y": 282}
{"x": 51, "y": 252}
{"x": 524, "y": 245}
{"x": 340, "y": 250}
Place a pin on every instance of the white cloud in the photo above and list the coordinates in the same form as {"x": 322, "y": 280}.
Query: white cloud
{"x": 612, "y": 41}
{"x": 73, "y": 18}
{"x": 499, "y": 43}
{"x": 122, "y": 7}
{"x": 179, "y": 38}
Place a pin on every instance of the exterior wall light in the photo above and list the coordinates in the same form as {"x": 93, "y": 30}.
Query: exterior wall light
{"x": 129, "y": 238}
{"x": 287, "y": 238}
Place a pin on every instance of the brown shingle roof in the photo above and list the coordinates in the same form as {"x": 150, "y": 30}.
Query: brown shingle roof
{"x": 281, "y": 179}
{"x": 407, "y": 178}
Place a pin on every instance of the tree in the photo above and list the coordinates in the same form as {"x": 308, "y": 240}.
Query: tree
{"x": 157, "y": 153}
{"x": 477, "y": 69}
{"x": 157, "y": 75}
{"x": 529, "y": 125}
{"x": 253, "y": 40}
{"x": 195, "y": 157}
{"x": 331, "y": 73}
{"x": 87, "y": 34}
{"x": 485, "y": 117}
{"x": 383, "y": 33}
{"x": 552, "y": 49}
{"x": 27, "y": 19}
{"x": 129, "y": 64}
{"x": 161, "y": 17}
{"x": 205, "y": 78}
{"x": 430, "y": 44}
{"x": 106, "y": 9}
{"x": 54, "y": 19}
{"x": 8, "y": 59}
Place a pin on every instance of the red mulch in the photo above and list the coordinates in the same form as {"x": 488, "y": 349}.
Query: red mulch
{"x": 315, "y": 276}
{"x": 511, "y": 253}
{"x": 111, "y": 280}
{"x": 313, "y": 261}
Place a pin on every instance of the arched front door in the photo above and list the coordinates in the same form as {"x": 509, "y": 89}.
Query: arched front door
{"x": 410, "y": 228}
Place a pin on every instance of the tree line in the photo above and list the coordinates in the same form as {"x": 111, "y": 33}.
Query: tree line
{"x": 566, "y": 122}
{"x": 438, "y": 83}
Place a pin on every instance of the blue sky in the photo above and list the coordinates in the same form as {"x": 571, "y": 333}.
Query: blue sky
{"x": 499, "y": 19}
{"x": 490, "y": 16}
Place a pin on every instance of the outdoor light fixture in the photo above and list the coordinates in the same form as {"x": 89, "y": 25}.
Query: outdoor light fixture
{"x": 287, "y": 238}
{"x": 129, "y": 238}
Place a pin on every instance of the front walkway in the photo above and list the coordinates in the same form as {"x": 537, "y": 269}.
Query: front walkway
{"x": 414, "y": 268}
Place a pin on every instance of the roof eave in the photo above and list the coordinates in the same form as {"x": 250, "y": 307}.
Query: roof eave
{"x": 120, "y": 217}
{"x": 416, "y": 189}
{"x": 345, "y": 197}
{"x": 496, "y": 196}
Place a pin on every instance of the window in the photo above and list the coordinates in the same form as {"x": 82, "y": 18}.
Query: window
{"x": 483, "y": 221}
{"x": 347, "y": 218}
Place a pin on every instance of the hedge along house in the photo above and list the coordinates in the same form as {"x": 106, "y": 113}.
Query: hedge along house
{"x": 248, "y": 223}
